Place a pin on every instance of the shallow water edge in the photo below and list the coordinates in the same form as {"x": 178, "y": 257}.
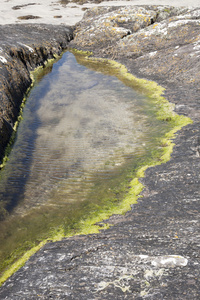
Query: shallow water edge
{"x": 165, "y": 110}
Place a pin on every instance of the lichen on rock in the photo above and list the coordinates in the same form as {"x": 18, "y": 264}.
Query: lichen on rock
{"x": 105, "y": 25}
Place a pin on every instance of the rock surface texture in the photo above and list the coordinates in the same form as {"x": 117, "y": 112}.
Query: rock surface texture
{"x": 153, "y": 251}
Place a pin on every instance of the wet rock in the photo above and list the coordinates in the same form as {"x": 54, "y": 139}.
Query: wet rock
{"x": 153, "y": 251}
{"x": 22, "y": 49}
{"x": 5, "y": 132}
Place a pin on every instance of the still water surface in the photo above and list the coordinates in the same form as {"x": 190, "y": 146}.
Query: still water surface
{"x": 82, "y": 134}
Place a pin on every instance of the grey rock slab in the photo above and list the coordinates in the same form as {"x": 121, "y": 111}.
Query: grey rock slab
{"x": 151, "y": 252}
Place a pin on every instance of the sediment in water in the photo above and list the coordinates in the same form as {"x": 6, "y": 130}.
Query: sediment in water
{"x": 87, "y": 225}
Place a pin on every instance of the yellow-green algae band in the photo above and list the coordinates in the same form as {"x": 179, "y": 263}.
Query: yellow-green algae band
{"x": 164, "y": 112}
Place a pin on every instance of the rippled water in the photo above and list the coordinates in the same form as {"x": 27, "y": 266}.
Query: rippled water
{"x": 75, "y": 122}
{"x": 81, "y": 132}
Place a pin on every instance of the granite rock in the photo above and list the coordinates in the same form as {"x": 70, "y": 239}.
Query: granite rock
{"x": 151, "y": 252}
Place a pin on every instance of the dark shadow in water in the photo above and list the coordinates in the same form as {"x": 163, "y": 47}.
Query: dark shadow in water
{"x": 72, "y": 185}
{"x": 11, "y": 194}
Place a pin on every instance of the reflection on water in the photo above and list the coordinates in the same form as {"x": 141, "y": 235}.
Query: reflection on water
{"x": 80, "y": 128}
{"x": 75, "y": 121}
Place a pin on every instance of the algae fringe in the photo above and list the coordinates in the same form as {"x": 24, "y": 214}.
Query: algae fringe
{"x": 48, "y": 66}
{"x": 165, "y": 112}
{"x": 12, "y": 138}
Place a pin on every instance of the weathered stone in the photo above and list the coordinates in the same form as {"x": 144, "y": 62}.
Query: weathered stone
{"x": 166, "y": 51}
{"x": 104, "y": 26}
{"x": 101, "y": 26}
{"x": 152, "y": 252}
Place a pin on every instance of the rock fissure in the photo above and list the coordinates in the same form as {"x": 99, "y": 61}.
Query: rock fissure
{"x": 20, "y": 58}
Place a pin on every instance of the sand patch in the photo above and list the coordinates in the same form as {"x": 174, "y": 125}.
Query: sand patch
{"x": 43, "y": 11}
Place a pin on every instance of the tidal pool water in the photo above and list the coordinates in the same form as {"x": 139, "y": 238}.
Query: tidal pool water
{"x": 82, "y": 137}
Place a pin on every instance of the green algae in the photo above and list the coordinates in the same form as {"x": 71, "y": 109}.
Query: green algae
{"x": 164, "y": 109}
{"x": 12, "y": 138}
{"x": 93, "y": 222}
